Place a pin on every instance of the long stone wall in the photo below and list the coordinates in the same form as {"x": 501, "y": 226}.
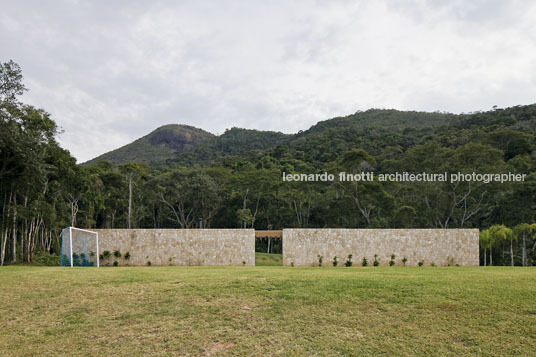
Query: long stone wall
{"x": 301, "y": 247}
{"x": 179, "y": 246}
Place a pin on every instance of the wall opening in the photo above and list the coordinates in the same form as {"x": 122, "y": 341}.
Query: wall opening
{"x": 268, "y": 248}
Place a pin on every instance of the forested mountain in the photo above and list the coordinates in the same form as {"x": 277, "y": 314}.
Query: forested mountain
{"x": 160, "y": 145}
{"x": 373, "y": 130}
{"x": 178, "y": 175}
{"x": 175, "y": 144}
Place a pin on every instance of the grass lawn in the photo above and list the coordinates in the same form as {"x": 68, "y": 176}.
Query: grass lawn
{"x": 267, "y": 311}
{"x": 265, "y": 259}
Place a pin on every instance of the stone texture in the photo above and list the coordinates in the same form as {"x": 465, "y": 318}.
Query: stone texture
{"x": 459, "y": 246}
{"x": 179, "y": 246}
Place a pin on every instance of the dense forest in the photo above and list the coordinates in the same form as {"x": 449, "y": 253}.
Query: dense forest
{"x": 178, "y": 176}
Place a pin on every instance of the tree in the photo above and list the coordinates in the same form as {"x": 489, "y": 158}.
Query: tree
{"x": 404, "y": 216}
{"x": 524, "y": 230}
{"x": 132, "y": 171}
{"x": 486, "y": 242}
{"x": 189, "y": 195}
{"x": 28, "y": 166}
{"x": 11, "y": 84}
{"x": 498, "y": 233}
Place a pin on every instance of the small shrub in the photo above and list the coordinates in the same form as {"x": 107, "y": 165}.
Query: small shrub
{"x": 149, "y": 263}
{"x": 91, "y": 254}
{"x": 292, "y": 264}
{"x": 243, "y": 262}
{"x": 41, "y": 258}
{"x": 117, "y": 254}
{"x": 83, "y": 260}
{"x": 127, "y": 256}
{"x": 170, "y": 260}
{"x": 404, "y": 261}
{"x": 457, "y": 265}
{"x": 364, "y": 262}
{"x": 106, "y": 254}
{"x": 421, "y": 263}
{"x": 320, "y": 260}
{"x": 348, "y": 261}
{"x": 392, "y": 261}
{"x": 450, "y": 261}
{"x": 432, "y": 264}
{"x": 376, "y": 262}
{"x": 76, "y": 259}
{"x": 116, "y": 263}
{"x": 335, "y": 261}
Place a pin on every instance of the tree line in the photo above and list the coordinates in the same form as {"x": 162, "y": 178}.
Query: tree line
{"x": 43, "y": 189}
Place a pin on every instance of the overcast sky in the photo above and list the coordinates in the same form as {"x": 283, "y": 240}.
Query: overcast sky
{"x": 112, "y": 71}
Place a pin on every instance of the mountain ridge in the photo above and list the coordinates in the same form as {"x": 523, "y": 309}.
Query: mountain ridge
{"x": 179, "y": 144}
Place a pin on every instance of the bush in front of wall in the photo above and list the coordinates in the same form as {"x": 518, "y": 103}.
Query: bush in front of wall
{"x": 450, "y": 261}
{"x": 116, "y": 263}
{"x": 117, "y": 254}
{"x": 392, "y": 261}
{"x": 83, "y": 259}
{"x": 76, "y": 260}
{"x": 421, "y": 263}
{"x": 148, "y": 263}
{"x": 348, "y": 261}
{"x": 364, "y": 262}
{"x": 127, "y": 256}
{"x": 335, "y": 261}
{"x": 376, "y": 262}
{"x": 320, "y": 260}
{"x": 404, "y": 261}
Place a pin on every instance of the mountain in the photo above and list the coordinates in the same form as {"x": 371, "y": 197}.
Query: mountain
{"x": 176, "y": 144}
{"x": 373, "y": 130}
{"x": 160, "y": 145}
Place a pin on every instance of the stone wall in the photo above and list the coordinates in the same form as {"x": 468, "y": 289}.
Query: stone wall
{"x": 179, "y": 246}
{"x": 440, "y": 246}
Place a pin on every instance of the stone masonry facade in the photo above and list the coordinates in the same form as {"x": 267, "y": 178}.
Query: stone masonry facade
{"x": 179, "y": 246}
{"x": 441, "y": 247}
{"x": 301, "y": 247}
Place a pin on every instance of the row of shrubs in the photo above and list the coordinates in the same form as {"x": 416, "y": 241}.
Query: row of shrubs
{"x": 105, "y": 257}
{"x": 365, "y": 262}
{"x": 83, "y": 260}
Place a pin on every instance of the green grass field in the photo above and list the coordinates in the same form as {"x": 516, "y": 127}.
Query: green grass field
{"x": 267, "y": 311}
{"x": 265, "y": 259}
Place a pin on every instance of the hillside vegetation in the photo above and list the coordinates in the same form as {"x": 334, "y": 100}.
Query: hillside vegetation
{"x": 179, "y": 175}
{"x": 158, "y": 146}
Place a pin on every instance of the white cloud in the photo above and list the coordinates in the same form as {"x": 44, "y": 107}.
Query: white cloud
{"x": 110, "y": 72}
